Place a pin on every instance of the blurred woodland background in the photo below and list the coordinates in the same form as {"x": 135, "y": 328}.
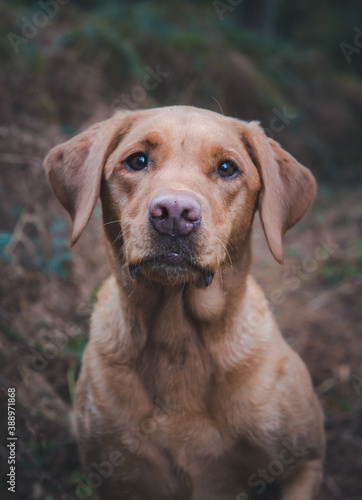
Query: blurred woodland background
{"x": 296, "y": 67}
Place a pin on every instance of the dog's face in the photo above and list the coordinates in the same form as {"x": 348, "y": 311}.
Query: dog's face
{"x": 179, "y": 188}
{"x": 184, "y": 190}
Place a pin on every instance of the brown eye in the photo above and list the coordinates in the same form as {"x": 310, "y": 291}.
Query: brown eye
{"x": 137, "y": 161}
{"x": 227, "y": 169}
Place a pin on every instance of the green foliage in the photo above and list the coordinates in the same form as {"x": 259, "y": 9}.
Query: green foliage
{"x": 107, "y": 28}
{"x": 315, "y": 23}
{"x": 5, "y": 238}
{"x": 338, "y": 403}
{"x": 93, "y": 295}
{"x": 75, "y": 347}
{"x": 79, "y": 477}
{"x": 335, "y": 272}
{"x": 293, "y": 251}
{"x": 60, "y": 254}
{"x": 68, "y": 130}
{"x": 117, "y": 34}
{"x": 356, "y": 247}
{"x": 102, "y": 43}
{"x": 71, "y": 376}
{"x": 38, "y": 256}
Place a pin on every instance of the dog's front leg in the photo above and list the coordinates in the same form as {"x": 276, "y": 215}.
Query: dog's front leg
{"x": 305, "y": 482}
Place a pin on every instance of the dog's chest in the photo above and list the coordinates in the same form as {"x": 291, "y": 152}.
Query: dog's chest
{"x": 190, "y": 412}
{"x": 189, "y": 415}
{"x": 192, "y": 440}
{"x": 178, "y": 368}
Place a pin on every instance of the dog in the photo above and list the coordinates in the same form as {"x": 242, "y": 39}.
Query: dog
{"x": 187, "y": 389}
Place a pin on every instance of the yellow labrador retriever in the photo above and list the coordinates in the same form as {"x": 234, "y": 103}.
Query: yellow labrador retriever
{"x": 187, "y": 388}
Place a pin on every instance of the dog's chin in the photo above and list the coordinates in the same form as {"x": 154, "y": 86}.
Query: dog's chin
{"x": 170, "y": 269}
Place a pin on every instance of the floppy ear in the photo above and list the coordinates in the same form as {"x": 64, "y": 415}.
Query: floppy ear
{"x": 75, "y": 169}
{"x": 288, "y": 188}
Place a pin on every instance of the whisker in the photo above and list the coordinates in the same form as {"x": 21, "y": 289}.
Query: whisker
{"x": 218, "y": 264}
{"x": 229, "y": 239}
{"x": 226, "y": 251}
{"x": 106, "y": 224}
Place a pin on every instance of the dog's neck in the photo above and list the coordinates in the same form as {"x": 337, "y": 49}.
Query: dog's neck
{"x": 154, "y": 302}
{"x": 174, "y": 336}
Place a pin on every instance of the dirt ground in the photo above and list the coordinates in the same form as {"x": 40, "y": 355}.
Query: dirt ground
{"x": 47, "y": 292}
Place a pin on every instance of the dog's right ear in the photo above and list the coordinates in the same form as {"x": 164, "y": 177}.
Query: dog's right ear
{"x": 288, "y": 188}
{"x": 75, "y": 168}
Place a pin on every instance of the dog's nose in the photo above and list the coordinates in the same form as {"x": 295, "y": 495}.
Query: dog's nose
{"x": 175, "y": 213}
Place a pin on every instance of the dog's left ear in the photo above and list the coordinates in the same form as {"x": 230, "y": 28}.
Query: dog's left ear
{"x": 288, "y": 188}
{"x": 75, "y": 168}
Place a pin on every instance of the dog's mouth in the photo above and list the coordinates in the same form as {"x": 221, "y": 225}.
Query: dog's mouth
{"x": 171, "y": 268}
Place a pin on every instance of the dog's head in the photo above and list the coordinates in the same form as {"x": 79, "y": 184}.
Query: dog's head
{"x": 179, "y": 188}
